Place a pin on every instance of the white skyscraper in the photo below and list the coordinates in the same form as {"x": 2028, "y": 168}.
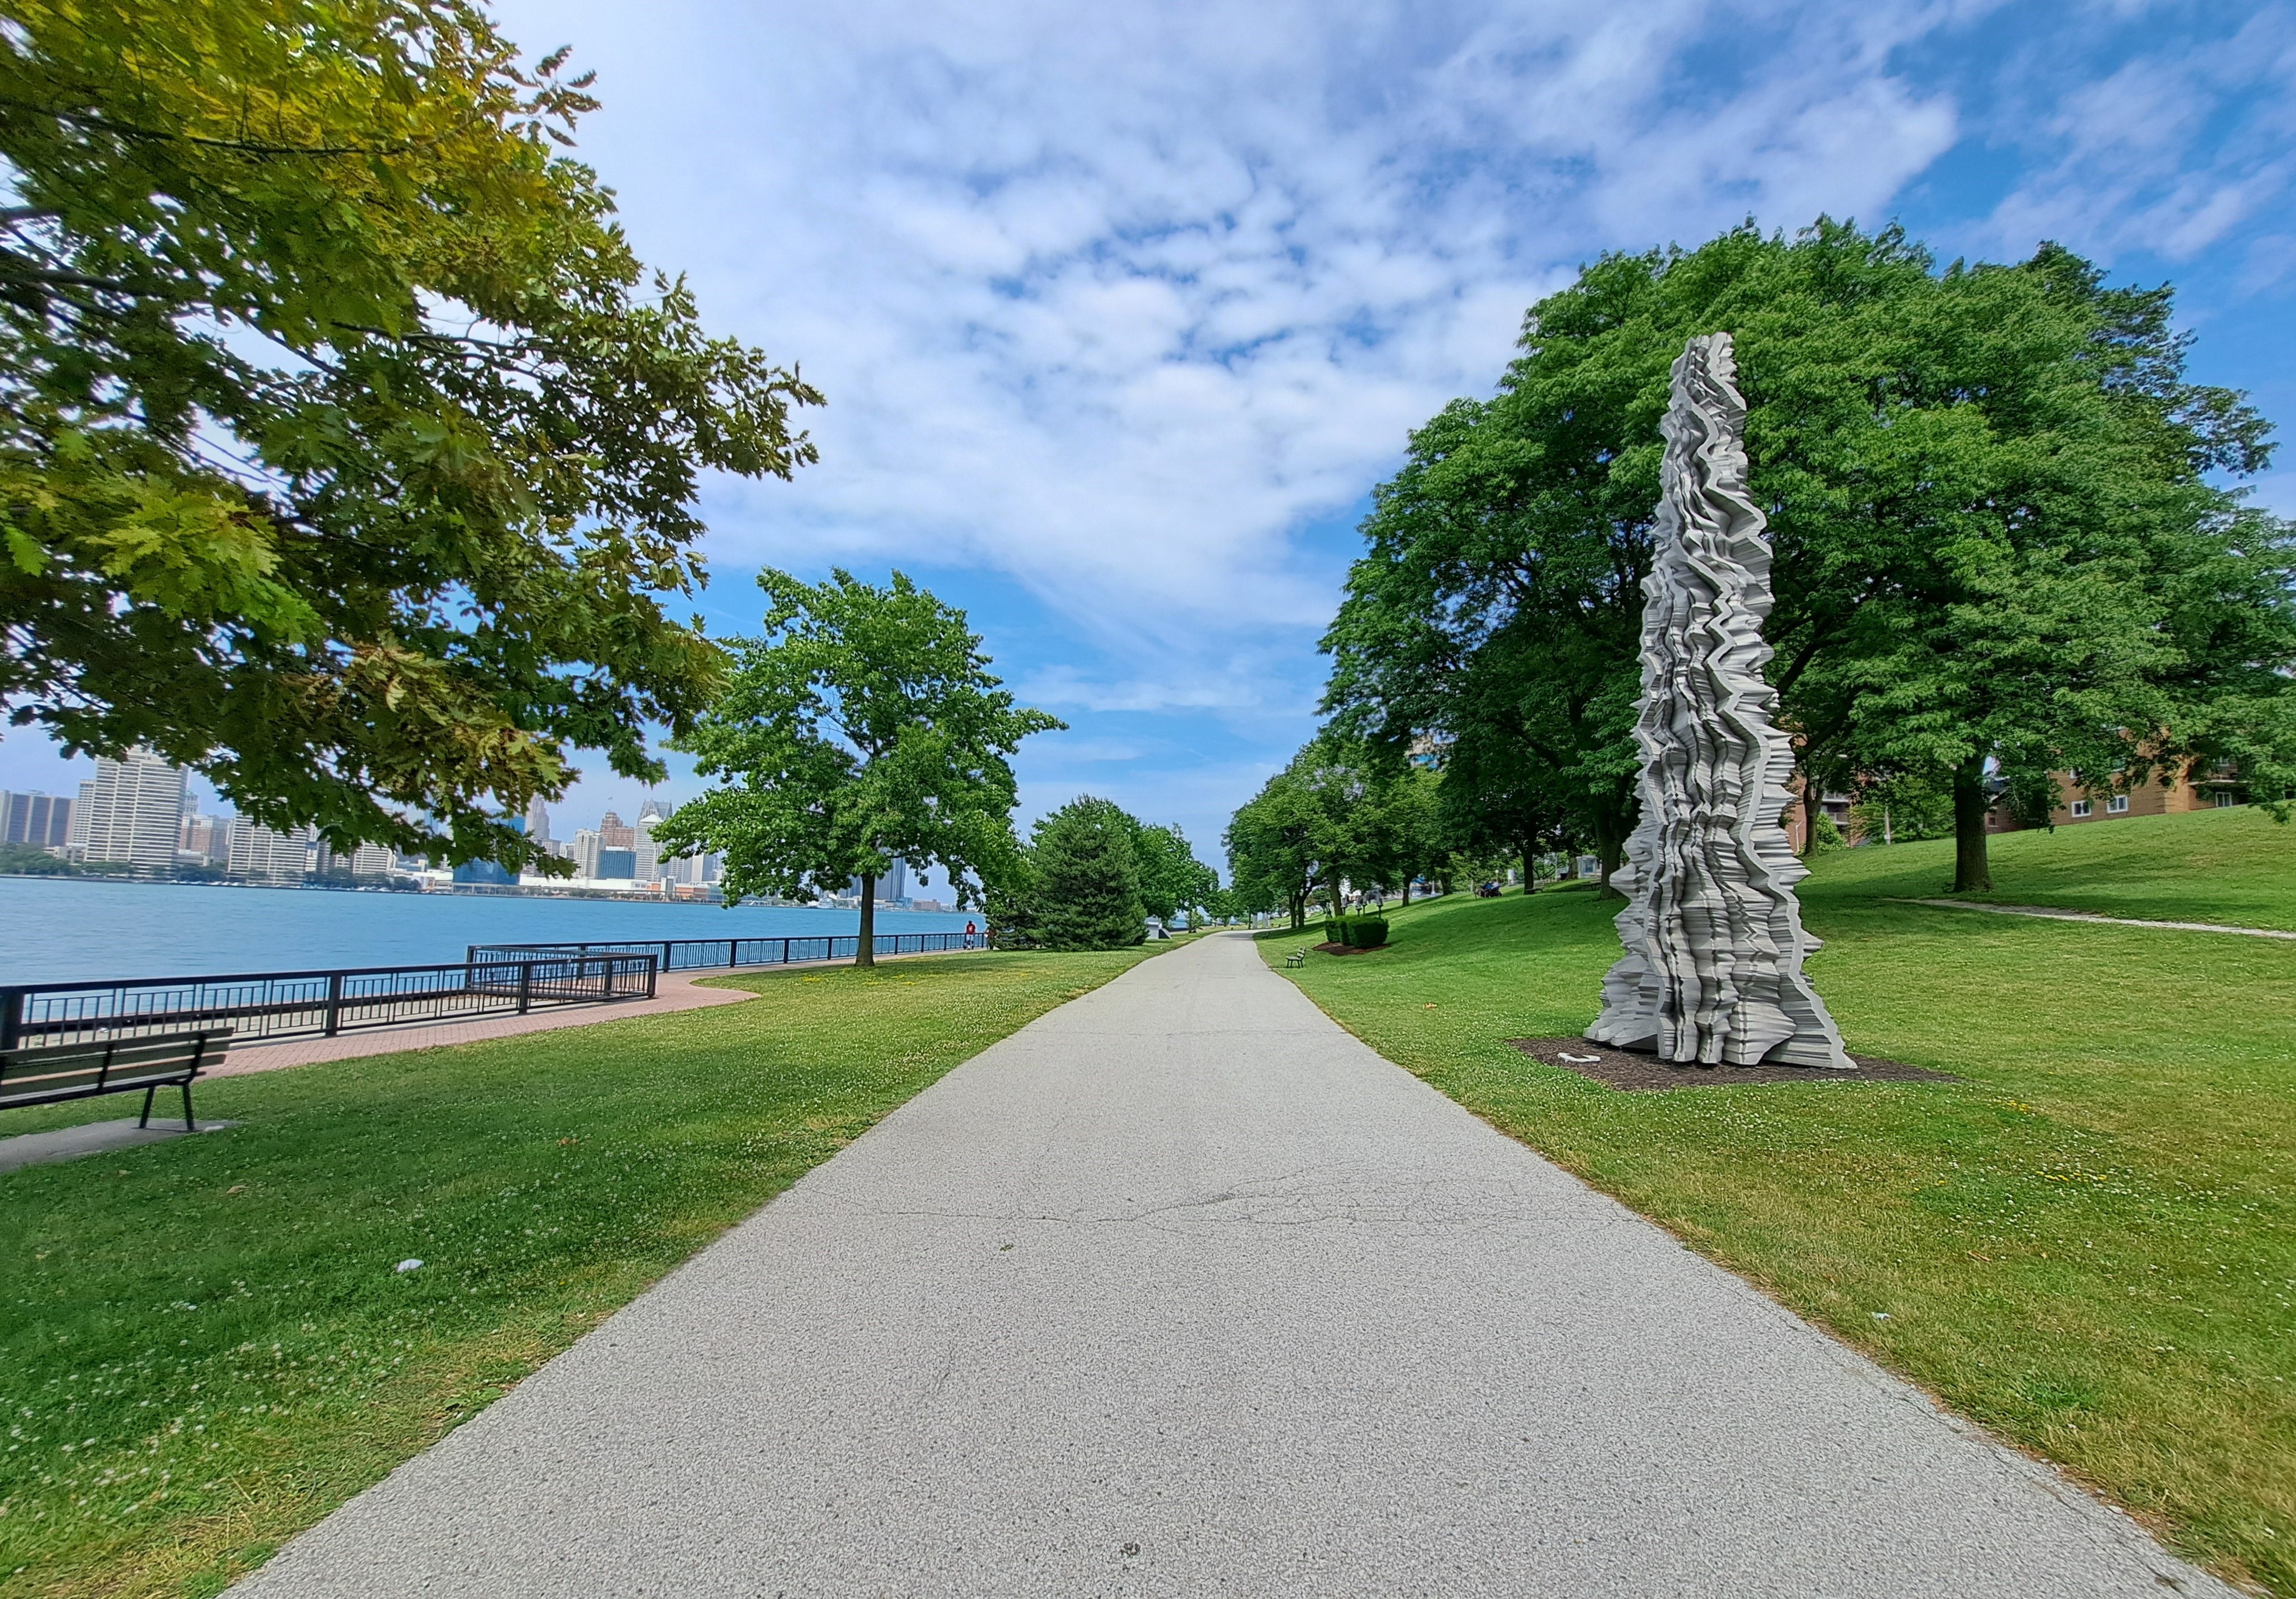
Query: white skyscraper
{"x": 76, "y": 830}
{"x": 649, "y": 862}
{"x": 259, "y": 854}
{"x": 134, "y": 812}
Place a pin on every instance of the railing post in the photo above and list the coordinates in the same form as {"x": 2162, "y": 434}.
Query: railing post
{"x": 526, "y": 985}
{"x": 12, "y": 1001}
{"x": 654, "y": 976}
{"x": 334, "y": 1002}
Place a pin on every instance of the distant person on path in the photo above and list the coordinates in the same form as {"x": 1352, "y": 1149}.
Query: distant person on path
{"x": 970, "y": 934}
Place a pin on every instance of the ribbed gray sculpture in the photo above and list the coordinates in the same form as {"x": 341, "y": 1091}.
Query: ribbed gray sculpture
{"x": 1713, "y": 968}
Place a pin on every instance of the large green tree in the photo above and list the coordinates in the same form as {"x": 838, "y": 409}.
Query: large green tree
{"x": 861, "y": 728}
{"x": 1173, "y": 882}
{"x": 1087, "y": 878}
{"x": 346, "y": 449}
{"x": 2001, "y": 544}
{"x": 1341, "y": 813}
{"x": 1273, "y": 842}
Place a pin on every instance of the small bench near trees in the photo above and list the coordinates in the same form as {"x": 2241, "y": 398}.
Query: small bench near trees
{"x": 50, "y": 1074}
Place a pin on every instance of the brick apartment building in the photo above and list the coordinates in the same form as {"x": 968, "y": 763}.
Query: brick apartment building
{"x": 2215, "y": 790}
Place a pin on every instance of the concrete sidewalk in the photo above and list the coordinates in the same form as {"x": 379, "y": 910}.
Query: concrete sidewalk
{"x": 1183, "y": 1290}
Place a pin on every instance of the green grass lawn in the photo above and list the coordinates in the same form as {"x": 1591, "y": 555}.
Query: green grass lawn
{"x": 2088, "y": 1243}
{"x": 2235, "y": 866}
{"x": 204, "y": 1346}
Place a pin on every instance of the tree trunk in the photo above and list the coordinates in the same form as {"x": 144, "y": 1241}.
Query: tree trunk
{"x": 1406, "y": 890}
{"x": 1813, "y": 806}
{"x": 1970, "y": 870}
{"x": 1298, "y": 911}
{"x": 1610, "y": 847}
{"x": 865, "y": 951}
{"x": 1530, "y": 869}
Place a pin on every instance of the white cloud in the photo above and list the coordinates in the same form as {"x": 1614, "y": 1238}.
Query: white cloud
{"x": 2171, "y": 152}
{"x": 1115, "y": 300}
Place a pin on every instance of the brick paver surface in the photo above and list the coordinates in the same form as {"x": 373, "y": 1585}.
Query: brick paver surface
{"x": 676, "y": 991}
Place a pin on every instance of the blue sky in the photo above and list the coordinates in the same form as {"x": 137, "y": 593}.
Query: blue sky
{"x": 1121, "y": 311}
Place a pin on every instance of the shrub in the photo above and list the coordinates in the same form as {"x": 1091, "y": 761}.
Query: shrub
{"x": 1357, "y": 932}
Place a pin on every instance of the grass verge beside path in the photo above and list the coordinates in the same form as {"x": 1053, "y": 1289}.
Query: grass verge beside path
{"x": 2235, "y": 866}
{"x": 2087, "y": 1244}
{"x": 204, "y": 1346}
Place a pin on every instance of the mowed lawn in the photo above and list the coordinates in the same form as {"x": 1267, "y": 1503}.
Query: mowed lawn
{"x": 204, "y": 1345}
{"x": 2088, "y": 1242}
{"x": 2235, "y": 866}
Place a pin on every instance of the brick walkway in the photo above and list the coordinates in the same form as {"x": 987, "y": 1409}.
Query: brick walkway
{"x": 676, "y": 991}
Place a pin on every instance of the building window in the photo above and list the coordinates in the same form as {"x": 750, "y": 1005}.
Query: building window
{"x": 2223, "y": 800}
{"x": 2117, "y": 805}
{"x": 2081, "y": 807}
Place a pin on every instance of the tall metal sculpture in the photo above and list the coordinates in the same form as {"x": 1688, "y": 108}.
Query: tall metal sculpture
{"x": 1713, "y": 968}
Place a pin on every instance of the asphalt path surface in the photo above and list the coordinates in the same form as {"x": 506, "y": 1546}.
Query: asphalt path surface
{"x": 1182, "y": 1290}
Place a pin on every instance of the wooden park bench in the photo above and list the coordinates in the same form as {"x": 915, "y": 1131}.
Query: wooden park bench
{"x": 1298, "y": 957}
{"x": 48, "y": 1074}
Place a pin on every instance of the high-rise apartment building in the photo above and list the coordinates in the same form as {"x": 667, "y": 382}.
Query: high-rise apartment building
{"x": 76, "y": 833}
{"x": 134, "y": 812}
{"x": 537, "y": 822}
{"x": 206, "y": 839}
{"x": 43, "y": 821}
{"x": 645, "y": 855}
{"x": 894, "y": 885}
{"x": 368, "y": 860}
{"x": 259, "y": 854}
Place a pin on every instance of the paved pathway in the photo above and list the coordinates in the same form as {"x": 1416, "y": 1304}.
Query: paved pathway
{"x": 2051, "y": 913}
{"x": 1183, "y": 1290}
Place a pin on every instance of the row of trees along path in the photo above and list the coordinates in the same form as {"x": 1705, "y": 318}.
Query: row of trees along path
{"x": 2003, "y": 543}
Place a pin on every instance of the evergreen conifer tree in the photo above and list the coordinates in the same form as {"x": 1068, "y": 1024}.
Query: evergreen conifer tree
{"x": 1087, "y": 880}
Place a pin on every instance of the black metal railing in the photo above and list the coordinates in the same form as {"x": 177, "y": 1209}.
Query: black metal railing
{"x": 279, "y": 1004}
{"x": 699, "y": 954}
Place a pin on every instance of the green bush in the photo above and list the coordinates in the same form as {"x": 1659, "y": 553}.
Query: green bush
{"x": 1357, "y": 932}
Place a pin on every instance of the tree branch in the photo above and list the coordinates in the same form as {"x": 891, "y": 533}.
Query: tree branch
{"x": 242, "y": 146}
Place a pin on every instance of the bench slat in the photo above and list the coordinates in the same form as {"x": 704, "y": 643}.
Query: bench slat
{"x": 79, "y": 1070}
{"x": 54, "y": 1082}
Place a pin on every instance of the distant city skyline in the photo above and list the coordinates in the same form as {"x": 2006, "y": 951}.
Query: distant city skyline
{"x": 144, "y": 813}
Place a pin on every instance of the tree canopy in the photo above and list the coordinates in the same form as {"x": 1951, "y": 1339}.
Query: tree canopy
{"x": 1341, "y": 812}
{"x": 346, "y": 449}
{"x": 1173, "y": 882}
{"x": 1088, "y": 877}
{"x": 2003, "y": 548}
{"x": 861, "y": 728}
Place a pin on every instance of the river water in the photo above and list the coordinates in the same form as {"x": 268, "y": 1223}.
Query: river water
{"x": 69, "y": 929}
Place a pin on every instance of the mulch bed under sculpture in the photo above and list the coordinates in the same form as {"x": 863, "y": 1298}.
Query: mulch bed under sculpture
{"x": 1618, "y": 1069}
